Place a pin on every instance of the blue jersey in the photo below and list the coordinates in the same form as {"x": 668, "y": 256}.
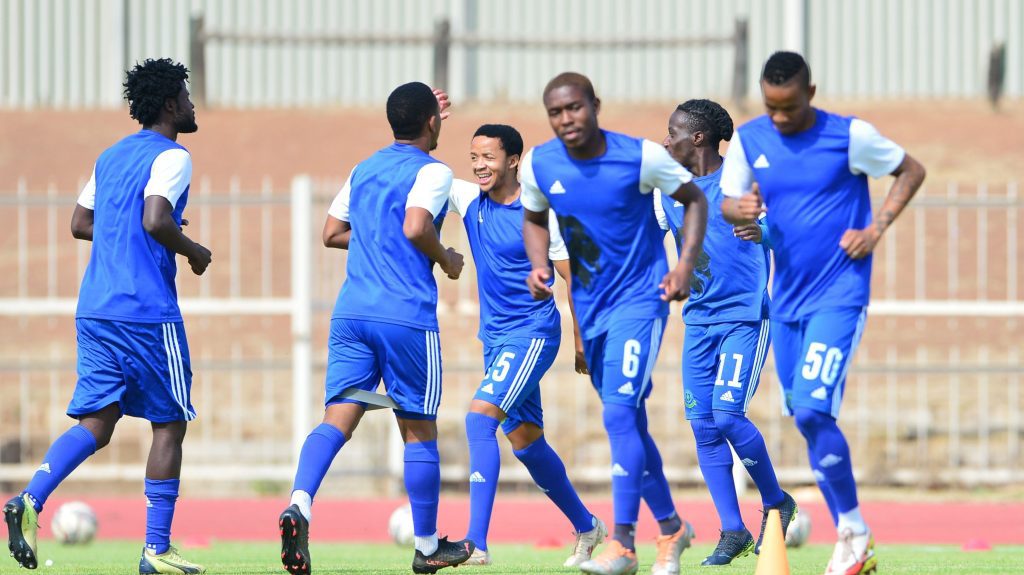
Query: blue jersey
{"x": 495, "y": 234}
{"x": 730, "y": 278}
{"x": 388, "y": 279}
{"x": 814, "y": 185}
{"x": 604, "y": 212}
{"x": 130, "y": 276}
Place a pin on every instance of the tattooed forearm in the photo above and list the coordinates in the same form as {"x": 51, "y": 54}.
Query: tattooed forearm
{"x": 909, "y": 177}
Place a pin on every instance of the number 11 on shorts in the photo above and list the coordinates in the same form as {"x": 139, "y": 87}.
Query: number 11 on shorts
{"x": 735, "y": 381}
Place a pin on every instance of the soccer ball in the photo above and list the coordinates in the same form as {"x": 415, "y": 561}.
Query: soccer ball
{"x": 799, "y": 530}
{"x": 400, "y": 526}
{"x": 74, "y": 523}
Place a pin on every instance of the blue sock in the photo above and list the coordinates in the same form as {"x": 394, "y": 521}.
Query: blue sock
{"x": 318, "y": 451}
{"x": 548, "y": 472}
{"x": 715, "y": 460}
{"x": 423, "y": 484}
{"x": 656, "y": 491}
{"x": 830, "y": 455}
{"x": 161, "y": 494}
{"x": 749, "y": 445}
{"x": 628, "y": 463}
{"x": 64, "y": 455}
{"x": 484, "y": 466}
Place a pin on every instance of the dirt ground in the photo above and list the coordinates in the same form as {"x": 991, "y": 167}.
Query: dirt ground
{"x": 962, "y": 141}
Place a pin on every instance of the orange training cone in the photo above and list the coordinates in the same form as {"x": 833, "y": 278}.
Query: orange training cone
{"x": 772, "y": 560}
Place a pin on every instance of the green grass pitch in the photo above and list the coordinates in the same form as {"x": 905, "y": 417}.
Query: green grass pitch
{"x": 116, "y": 558}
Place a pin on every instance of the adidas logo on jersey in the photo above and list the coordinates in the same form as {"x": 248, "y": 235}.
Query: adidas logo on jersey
{"x": 556, "y": 188}
{"x": 619, "y": 471}
{"x": 727, "y": 396}
{"x": 476, "y": 477}
{"x": 820, "y": 393}
{"x": 761, "y": 162}
{"x": 830, "y": 460}
{"x": 542, "y": 490}
{"x": 626, "y": 388}
{"x": 148, "y": 502}
{"x": 748, "y": 462}
{"x": 45, "y": 468}
{"x": 677, "y": 204}
{"x": 489, "y": 389}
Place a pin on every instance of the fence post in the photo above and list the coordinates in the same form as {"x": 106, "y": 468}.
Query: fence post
{"x": 741, "y": 51}
{"x": 442, "y": 52}
{"x": 301, "y": 296}
{"x": 197, "y": 47}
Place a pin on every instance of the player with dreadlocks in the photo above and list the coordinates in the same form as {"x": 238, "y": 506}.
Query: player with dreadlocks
{"x": 727, "y": 332}
{"x": 132, "y": 355}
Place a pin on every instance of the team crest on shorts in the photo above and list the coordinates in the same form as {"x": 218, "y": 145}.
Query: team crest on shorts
{"x": 689, "y": 400}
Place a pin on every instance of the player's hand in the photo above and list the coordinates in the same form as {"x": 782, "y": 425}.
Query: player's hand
{"x": 675, "y": 285}
{"x": 748, "y": 232}
{"x": 537, "y": 281}
{"x": 452, "y": 264}
{"x": 443, "y": 102}
{"x": 581, "y": 361}
{"x": 751, "y": 205}
{"x": 200, "y": 259}
{"x": 859, "y": 244}
{"x": 184, "y": 222}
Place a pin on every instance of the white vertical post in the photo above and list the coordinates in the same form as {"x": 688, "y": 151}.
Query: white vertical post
{"x": 952, "y": 242}
{"x": 204, "y": 230}
{"x": 794, "y": 25}
{"x": 954, "y": 408}
{"x": 302, "y": 356}
{"x": 266, "y": 245}
{"x": 922, "y": 412}
{"x": 892, "y": 417}
{"x": 983, "y": 408}
{"x": 982, "y": 242}
{"x": 235, "y": 228}
{"x": 1012, "y": 238}
{"x": 1013, "y": 445}
{"x": 22, "y": 238}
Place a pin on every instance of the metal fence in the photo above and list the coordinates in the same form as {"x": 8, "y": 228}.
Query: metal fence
{"x": 934, "y": 395}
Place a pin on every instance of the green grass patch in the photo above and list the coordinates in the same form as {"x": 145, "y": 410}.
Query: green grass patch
{"x": 113, "y": 558}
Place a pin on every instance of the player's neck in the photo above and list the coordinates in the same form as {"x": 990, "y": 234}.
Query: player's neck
{"x": 708, "y": 161}
{"x": 506, "y": 194}
{"x": 164, "y": 130}
{"x": 423, "y": 143}
{"x": 594, "y": 148}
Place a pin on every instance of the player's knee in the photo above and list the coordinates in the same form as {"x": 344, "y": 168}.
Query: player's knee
{"x": 811, "y": 422}
{"x": 731, "y": 424}
{"x": 620, "y": 419}
{"x": 705, "y": 431}
{"x": 170, "y": 433}
{"x": 524, "y": 435}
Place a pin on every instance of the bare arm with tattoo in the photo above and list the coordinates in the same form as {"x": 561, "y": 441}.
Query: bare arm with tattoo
{"x": 909, "y": 176}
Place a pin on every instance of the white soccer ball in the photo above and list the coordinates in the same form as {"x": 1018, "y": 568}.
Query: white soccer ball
{"x": 799, "y": 530}
{"x": 400, "y": 526}
{"x": 74, "y": 523}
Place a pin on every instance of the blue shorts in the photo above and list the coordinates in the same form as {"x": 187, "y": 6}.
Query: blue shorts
{"x": 144, "y": 367}
{"x": 512, "y": 378}
{"x": 722, "y": 366}
{"x": 622, "y": 358}
{"x": 812, "y": 356}
{"x": 360, "y": 353}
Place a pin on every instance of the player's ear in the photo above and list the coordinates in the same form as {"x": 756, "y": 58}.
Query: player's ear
{"x": 810, "y": 92}
{"x": 597, "y": 106}
{"x": 512, "y": 162}
{"x": 698, "y": 139}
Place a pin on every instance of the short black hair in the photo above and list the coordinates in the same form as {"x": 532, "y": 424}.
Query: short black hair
{"x": 571, "y": 79}
{"x": 510, "y": 139}
{"x": 781, "y": 67}
{"x": 409, "y": 107}
{"x": 149, "y": 84}
{"x": 708, "y": 117}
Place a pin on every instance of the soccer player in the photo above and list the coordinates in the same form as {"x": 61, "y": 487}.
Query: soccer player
{"x": 132, "y": 354}
{"x": 727, "y": 334}
{"x": 384, "y": 324}
{"x": 598, "y": 184}
{"x": 520, "y": 336}
{"x": 811, "y": 168}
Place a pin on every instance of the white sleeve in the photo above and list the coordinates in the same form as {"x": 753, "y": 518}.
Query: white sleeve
{"x": 556, "y": 247}
{"x": 737, "y": 175}
{"x": 463, "y": 194}
{"x": 170, "y": 175}
{"x": 531, "y": 197}
{"x": 659, "y": 211}
{"x": 431, "y": 189}
{"x": 872, "y": 153}
{"x": 87, "y": 199}
{"x": 339, "y": 207}
{"x": 659, "y": 170}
